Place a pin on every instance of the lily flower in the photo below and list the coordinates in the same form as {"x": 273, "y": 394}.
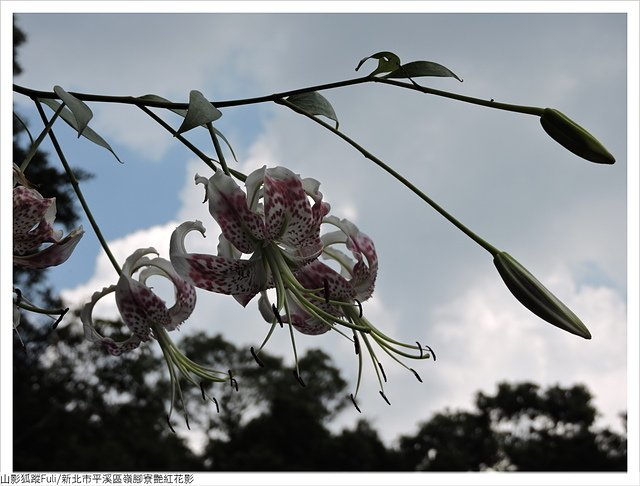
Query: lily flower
{"x": 147, "y": 316}
{"x": 318, "y": 299}
{"x": 33, "y": 217}
{"x": 273, "y": 222}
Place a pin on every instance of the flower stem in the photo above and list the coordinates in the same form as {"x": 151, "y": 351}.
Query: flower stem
{"x": 34, "y": 146}
{"x": 78, "y": 191}
{"x": 484, "y": 244}
{"x": 528, "y": 110}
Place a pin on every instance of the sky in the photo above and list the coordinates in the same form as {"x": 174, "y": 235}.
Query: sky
{"x": 562, "y": 217}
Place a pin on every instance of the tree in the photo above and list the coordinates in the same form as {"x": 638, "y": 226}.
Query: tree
{"x": 521, "y": 428}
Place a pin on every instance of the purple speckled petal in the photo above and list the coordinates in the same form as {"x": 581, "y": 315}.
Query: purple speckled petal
{"x": 228, "y": 206}
{"x": 55, "y": 254}
{"x": 364, "y": 274}
{"x": 185, "y": 293}
{"x": 114, "y": 348}
{"x": 212, "y": 272}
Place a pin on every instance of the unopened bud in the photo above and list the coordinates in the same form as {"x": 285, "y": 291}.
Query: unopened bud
{"x": 573, "y": 137}
{"x": 536, "y": 297}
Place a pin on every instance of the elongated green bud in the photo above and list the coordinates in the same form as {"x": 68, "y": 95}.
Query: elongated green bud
{"x": 573, "y": 137}
{"x": 536, "y": 297}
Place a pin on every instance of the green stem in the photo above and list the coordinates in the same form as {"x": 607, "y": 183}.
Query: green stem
{"x": 528, "y": 110}
{"x": 484, "y": 244}
{"x": 78, "y": 191}
{"x": 132, "y": 100}
{"x": 36, "y": 144}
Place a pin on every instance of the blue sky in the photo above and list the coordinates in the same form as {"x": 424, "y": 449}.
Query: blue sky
{"x": 499, "y": 173}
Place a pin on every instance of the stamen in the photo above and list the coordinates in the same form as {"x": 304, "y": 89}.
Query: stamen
{"x": 415, "y": 373}
{"x": 255, "y": 356}
{"x": 385, "y": 397}
{"x": 359, "y": 308}
{"x": 277, "y": 314}
{"x": 431, "y": 351}
{"x": 233, "y": 381}
{"x": 420, "y": 348}
{"x": 299, "y": 378}
{"x": 170, "y": 426}
{"x": 18, "y": 293}
{"x": 213, "y": 399}
{"x": 186, "y": 418}
{"x": 355, "y": 404}
{"x": 383, "y": 373}
{"x": 356, "y": 342}
{"x": 55, "y": 324}
{"x": 204, "y": 396}
{"x": 326, "y": 291}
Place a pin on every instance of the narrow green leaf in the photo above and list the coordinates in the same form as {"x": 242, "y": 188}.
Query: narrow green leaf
{"x": 24, "y": 125}
{"x": 87, "y": 133}
{"x": 200, "y": 112}
{"x": 219, "y": 134}
{"x": 387, "y": 62}
{"x": 416, "y": 69}
{"x": 81, "y": 112}
{"x": 314, "y": 103}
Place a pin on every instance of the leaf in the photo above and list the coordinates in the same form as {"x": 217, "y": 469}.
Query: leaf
{"x": 219, "y": 134}
{"x": 200, "y": 112}
{"x": 387, "y": 62}
{"x": 152, "y": 97}
{"x": 87, "y": 133}
{"x": 314, "y": 103}
{"x": 421, "y": 68}
{"x": 81, "y": 112}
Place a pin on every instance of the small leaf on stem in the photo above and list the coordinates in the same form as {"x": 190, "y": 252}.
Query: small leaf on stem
{"x": 200, "y": 112}
{"x": 81, "y": 112}
{"x": 422, "y": 68}
{"x": 314, "y": 103}
{"x": 387, "y": 62}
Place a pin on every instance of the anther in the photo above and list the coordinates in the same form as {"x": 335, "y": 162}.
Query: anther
{"x": 213, "y": 399}
{"x": 255, "y": 356}
{"x": 354, "y": 403}
{"x": 233, "y": 381}
{"x": 415, "y": 373}
{"x": 384, "y": 376}
{"x": 299, "y": 378}
{"x": 277, "y": 314}
{"x": 204, "y": 396}
{"x": 186, "y": 419}
{"x": 359, "y": 308}
{"x": 18, "y": 293}
{"x": 431, "y": 351}
{"x": 55, "y": 324}
{"x": 170, "y": 426}
{"x": 356, "y": 342}
{"x": 420, "y": 348}
{"x": 326, "y": 291}
{"x": 385, "y": 397}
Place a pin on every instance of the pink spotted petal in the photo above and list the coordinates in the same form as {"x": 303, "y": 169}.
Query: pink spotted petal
{"x": 300, "y": 319}
{"x": 185, "y": 293}
{"x": 55, "y": 254}
{"x": 315, "y": 274}
{"x": 363, "y": 274}
{"x": 228, "y": 206}
{"x": 213, "y": 272}
{"x": 30, "y": 208}
{"x": 115, "y": 348}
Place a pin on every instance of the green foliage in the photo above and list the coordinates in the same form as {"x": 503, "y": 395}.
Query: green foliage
{"x": 200, "y": 112}
{"x": 86, "y": 132}
{"x": 315, "y": 104}
{"x": 81, "y": 112}
{"x": 416, "y": 69}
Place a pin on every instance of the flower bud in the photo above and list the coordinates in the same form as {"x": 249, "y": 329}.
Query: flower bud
{"x": 536, "y": 297}
{"x": 573, "y": 137}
